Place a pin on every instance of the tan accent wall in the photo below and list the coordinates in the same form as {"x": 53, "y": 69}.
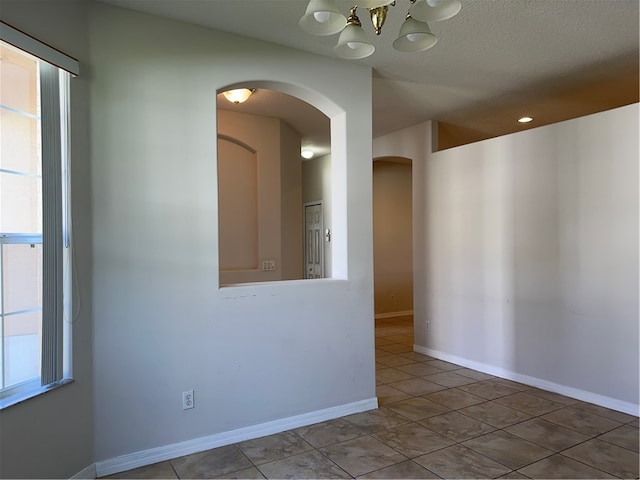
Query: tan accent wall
{"x": 392, "y": 233}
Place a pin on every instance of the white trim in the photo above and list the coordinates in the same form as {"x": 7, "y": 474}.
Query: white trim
{"x": 393, "y": 314}
{"x": 87, "y": 473}
{"x": 585, "y": 396}
{"x": 38, "y": 49}
{"x": 167, "y": 452}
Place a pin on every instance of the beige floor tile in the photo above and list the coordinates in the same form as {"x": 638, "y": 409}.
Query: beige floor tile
{"x": 420, "y": 369}
{"x": 561, "y": 467}
{"x": 157, "y": 470}
{"x": 326, "y": 433}
{"x": 397, "y": 348}
{"x": 554, "y": 397}
{"x": 382, "y": 353}
{"x": 458, "y": 461}
{"x": 406, "y": 339}
{"x": 394, "y": 361}
{"x": 387, "y": 394}
{"x": 362, "y": 455}
{"x": 380, "y": 341}
{"x": 495, "y": 414}
{"x": 581, "y": 421}
{"x": 454, "y": 398}
{"x": 309, "y": 465}
{"x": 479, "y": 376}
{"x": 607, "y": 457}
{"x": 413, "y": 440}
{"x": 489, "y": 389}
{"x": 417, "y": 408}
{"x": 456, "y": 426}
{"x": 626, "y": 436}
{"x": 274, "y": 447}
{"x": 417, "y": 386}
{"x": 515, "y": 385}
{"x": 389, "y": 375}
{"x": 547, "y": 434}
{"x": 247, "y": 474}
{"x": 402, "y": 470}
{"x": 604, "y": 412}
{"x": 531, "y": 404}
{"x": 211, "y": 463}
{"x": 513, "y": 475}
{"x": 417, "y": 357}
{"x": 376, "y": 420}
{"x": 507, "y": 449}
{"x": 442, "y": 365}
{"x": 449, "y": 379}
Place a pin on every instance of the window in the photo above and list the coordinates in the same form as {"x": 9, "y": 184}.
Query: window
{"x": 34, "y": 236}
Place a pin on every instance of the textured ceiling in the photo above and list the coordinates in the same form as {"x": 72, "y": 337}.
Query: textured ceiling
{"x": 495, "y": 59}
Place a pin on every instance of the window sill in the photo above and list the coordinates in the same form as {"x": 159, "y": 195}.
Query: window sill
{"x": 27, "y": 393}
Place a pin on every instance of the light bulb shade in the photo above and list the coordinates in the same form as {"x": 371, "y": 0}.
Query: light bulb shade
{"x": 373, "y": 3}
{"x": 414, "y": 36}
{"x": 424, "y": 12}
{"x": 322, "y": 17}
{"x": 353, "y": 43}
{"x": 238, "y": 95}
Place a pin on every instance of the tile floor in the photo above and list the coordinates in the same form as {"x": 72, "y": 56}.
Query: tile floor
{"x": 436, "y": 420}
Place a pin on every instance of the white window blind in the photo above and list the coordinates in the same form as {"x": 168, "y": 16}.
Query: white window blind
{"x": 47, "y": 233}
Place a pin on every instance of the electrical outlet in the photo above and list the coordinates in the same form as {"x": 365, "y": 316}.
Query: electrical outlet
{"x": 428, "y": 326}
{"x": 187, "y": 400}
{"x": 268, "y": 265}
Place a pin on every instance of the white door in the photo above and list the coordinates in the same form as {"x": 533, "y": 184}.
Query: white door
{"x": 314, "y": 241}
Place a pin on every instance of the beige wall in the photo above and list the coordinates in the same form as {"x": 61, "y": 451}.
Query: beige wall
{"x": 392, "y": 245}
{"x": 291, "y": 204}
{"x": 267, "y": 224}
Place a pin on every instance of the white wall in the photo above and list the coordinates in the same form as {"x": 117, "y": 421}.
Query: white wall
{"x": 51, "y": 436}
{"x": 526, "y": 254}
{"x": 254, "y": 353}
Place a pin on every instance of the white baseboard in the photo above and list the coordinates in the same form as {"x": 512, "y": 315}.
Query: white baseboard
{"x": 167, "y": 452}
{"x": 393, "y": 314}
{"x": 86, "y": 473}
{"x": 585, "y": 396}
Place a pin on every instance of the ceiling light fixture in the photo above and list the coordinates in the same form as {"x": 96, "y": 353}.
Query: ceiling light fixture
{"x": 239, "y": 95}
{"x": 306, "y": 154}
{"x": 525, "y": 119}
{"x": 322, "y": 17}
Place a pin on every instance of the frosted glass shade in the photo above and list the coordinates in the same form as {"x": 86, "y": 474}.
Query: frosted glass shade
{"x": 415, "y": 36}
{"x": 353, "y": 43}
{"x": 373, "y": 3}
{"x": 445, "y": 9}
{"x": 322, "y": 17}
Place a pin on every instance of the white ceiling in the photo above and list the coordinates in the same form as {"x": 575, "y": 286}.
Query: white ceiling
{"x": 493, "y": 51}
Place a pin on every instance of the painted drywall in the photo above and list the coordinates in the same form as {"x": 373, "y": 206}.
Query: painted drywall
{"x": 254, "y": 353}
{"x": 291, "y": 234}
{"x": 392, "y": 237}
{"x": 316, "y": 187}
{"x": 238, "y": 224}
{"x": 526, "y": 253}
{"x": 51, "y": 436}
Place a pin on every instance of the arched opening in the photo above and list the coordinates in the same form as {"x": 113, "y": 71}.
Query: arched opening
{"x": 275, "y": 207}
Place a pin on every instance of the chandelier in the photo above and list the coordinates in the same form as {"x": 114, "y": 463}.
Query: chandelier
{"x": 323, "y": 17}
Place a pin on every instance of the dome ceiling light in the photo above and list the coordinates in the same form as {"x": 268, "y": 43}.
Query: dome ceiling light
{"x": 322, "y": 17}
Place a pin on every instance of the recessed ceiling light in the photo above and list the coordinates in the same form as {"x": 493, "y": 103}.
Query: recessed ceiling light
{"x": 525, "y": 119}
{"x": 306, "y": 154}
